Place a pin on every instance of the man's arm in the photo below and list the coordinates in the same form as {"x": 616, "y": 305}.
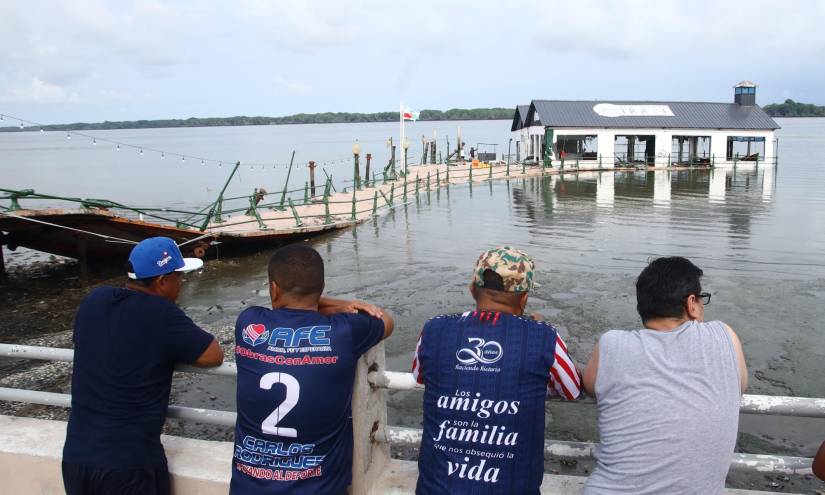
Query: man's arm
{"x": 819, "y": 463}
{"x": 740, "y": 359}
{"x": 211, "y": 357}
{"x": 329, "y": 306}
{"x": 591, "y": 371}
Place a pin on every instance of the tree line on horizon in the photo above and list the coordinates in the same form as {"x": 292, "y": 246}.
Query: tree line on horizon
{"x": 300, "y": 118}
{"x": 792, "y": 108}
{"x": 789, "y": 108}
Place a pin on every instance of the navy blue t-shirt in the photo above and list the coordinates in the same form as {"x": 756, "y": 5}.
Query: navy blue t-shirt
{"x": 487, "y": 375}
{"x": 126, "y": 345}
{"x": 296, "y": 370}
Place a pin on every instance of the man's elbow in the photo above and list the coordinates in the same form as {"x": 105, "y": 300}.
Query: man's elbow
{"x": 389, "y": 324}
{"x": 211, "y": 357}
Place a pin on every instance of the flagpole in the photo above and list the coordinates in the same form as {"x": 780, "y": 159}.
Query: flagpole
{"x": 401, "y": 141}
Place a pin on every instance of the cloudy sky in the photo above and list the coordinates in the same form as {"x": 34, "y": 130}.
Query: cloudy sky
{"x": 94, "y": 60}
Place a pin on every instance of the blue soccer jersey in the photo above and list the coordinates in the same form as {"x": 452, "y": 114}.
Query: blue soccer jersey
{"x": 296, "y": 370}
{"x": 487, "y": 376}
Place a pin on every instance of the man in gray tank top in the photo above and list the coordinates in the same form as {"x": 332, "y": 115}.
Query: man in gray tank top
{"x": 668, "y": 395}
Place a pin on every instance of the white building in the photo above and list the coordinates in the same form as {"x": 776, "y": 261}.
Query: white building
{"x": 626, "y": 133}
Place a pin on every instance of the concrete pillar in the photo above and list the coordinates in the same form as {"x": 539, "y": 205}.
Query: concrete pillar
{"x": 369, "y": 415}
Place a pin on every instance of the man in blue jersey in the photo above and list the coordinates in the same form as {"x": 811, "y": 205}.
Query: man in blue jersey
{"x": 487, "y": 373}
{"x": 126, "y": 344}
{"x": 296, "y": 369}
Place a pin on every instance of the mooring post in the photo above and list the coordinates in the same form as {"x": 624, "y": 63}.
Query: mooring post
{"x": 600, "y": 161}
{"x": 524, "y": 167}
{"x": 405, "y": 188}
{"x": 668, "y": 160}
{"x": 490, "y": 175}
{"x": 432, "y": 147}
{"x": 437, "y": 178}
{"x": 416, "y": 184}
{"x": 312, "y": 178}
{"x": 428, "y": 181}
{"x": 423, "y": 150}
{"x": 470, "y": 173}
{"x": 286, "y": 184}
{"x": 392, "y": 192}
{"x": 298, "y": 221}
{"x": 367, "y": 171}
{"x": 375, "y": 203}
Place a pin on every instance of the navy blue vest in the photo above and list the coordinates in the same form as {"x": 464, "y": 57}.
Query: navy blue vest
{"x": 486, "y": 382}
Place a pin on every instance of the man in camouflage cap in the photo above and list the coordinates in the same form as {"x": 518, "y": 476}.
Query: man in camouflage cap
{"x": 487, "y": 373}
{"x": 515, "y": 267}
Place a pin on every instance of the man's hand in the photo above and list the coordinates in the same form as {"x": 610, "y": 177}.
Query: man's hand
{"x": 355, "y": 306}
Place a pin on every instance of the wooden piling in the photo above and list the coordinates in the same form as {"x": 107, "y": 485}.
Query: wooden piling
{"x": 312, "y": 178}
{"x": 367, "y": 171}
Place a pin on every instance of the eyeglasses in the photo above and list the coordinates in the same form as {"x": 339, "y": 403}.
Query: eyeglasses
{"x": 704, "y": 297}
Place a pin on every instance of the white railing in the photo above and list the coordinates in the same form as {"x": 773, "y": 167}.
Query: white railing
{"x": 373, "y": 436}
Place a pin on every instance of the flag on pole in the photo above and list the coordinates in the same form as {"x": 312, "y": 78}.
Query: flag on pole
{"x": 409, "y": 115}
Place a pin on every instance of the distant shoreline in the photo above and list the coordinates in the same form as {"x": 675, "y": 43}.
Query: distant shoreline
{"x": 454, "y": 114}
{"x": 788, "y": 109}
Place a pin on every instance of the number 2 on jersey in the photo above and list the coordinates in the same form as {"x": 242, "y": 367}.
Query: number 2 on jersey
{"x": 293, "y": 390}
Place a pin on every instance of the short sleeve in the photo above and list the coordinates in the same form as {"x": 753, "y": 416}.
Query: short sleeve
{"x": 366, "y": 332}
{"x": 182, "y": 340}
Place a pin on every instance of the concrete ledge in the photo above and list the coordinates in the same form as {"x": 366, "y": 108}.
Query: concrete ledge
{"x": 31, "y": 449}
{"x": 400, "y": 476}
{"x": 30, "y": 455}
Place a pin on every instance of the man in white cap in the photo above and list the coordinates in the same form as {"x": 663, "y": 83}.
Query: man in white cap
{"x": 127, "y": 342}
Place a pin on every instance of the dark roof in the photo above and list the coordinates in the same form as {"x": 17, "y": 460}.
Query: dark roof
{"x": 686, "y": 115}
{"x": 520, "y": 117}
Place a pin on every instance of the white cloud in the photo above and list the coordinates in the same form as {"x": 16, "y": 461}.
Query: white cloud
{"x": 293, "y": 87}
{"x": 38, "y": 91}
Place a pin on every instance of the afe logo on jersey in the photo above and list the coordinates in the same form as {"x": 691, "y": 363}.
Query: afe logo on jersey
{"x": 304, "y": 336}
{"x": 255, "y": 334}
{"x": 481, "y": 352}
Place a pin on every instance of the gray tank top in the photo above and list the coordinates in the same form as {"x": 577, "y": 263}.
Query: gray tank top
{"x": 668, "y": 411}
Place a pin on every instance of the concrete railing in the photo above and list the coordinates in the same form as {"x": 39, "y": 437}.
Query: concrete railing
{"x": 372, "y": 466}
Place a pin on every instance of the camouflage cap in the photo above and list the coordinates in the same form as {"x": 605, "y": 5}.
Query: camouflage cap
{"x": 515, "y": 267}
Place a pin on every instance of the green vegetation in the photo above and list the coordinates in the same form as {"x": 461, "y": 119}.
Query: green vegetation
{"x": 794, "y": 109}
{"x": 301, "y": 118}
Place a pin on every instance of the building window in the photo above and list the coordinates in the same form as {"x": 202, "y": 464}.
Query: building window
{"x": 633, "y": 149}
{"x": 693, "y": 150}
{"x": 577, "y": 147}
{"x": 746, "y": 148}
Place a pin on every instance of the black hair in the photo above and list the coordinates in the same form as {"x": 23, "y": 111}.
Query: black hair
{"x": 143, "y": 282}
{"x": 492, "y": 280}
{"x": 493, "y": 289}
{"x": 298, "y": 269}
{"x": 664, "y": 284}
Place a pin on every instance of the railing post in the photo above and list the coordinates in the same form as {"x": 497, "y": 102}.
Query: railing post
{"x": 437, "y": 178}
{"x": 375, "y": 204}
{"x": 306, "y": 193}
{"x": 428, "y": 181}
{"x": 353, "y": 217}
{"x": 369, "y": 419}
{"x": 298, "y": 222}
{"x": 327, "y": 218}
{"x": 490, "y": 175}
{"x": 417, "y": 184}
{"x": 600, "y": 161}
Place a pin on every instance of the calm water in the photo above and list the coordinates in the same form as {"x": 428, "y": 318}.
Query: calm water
{"x": 759, "y": 234}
